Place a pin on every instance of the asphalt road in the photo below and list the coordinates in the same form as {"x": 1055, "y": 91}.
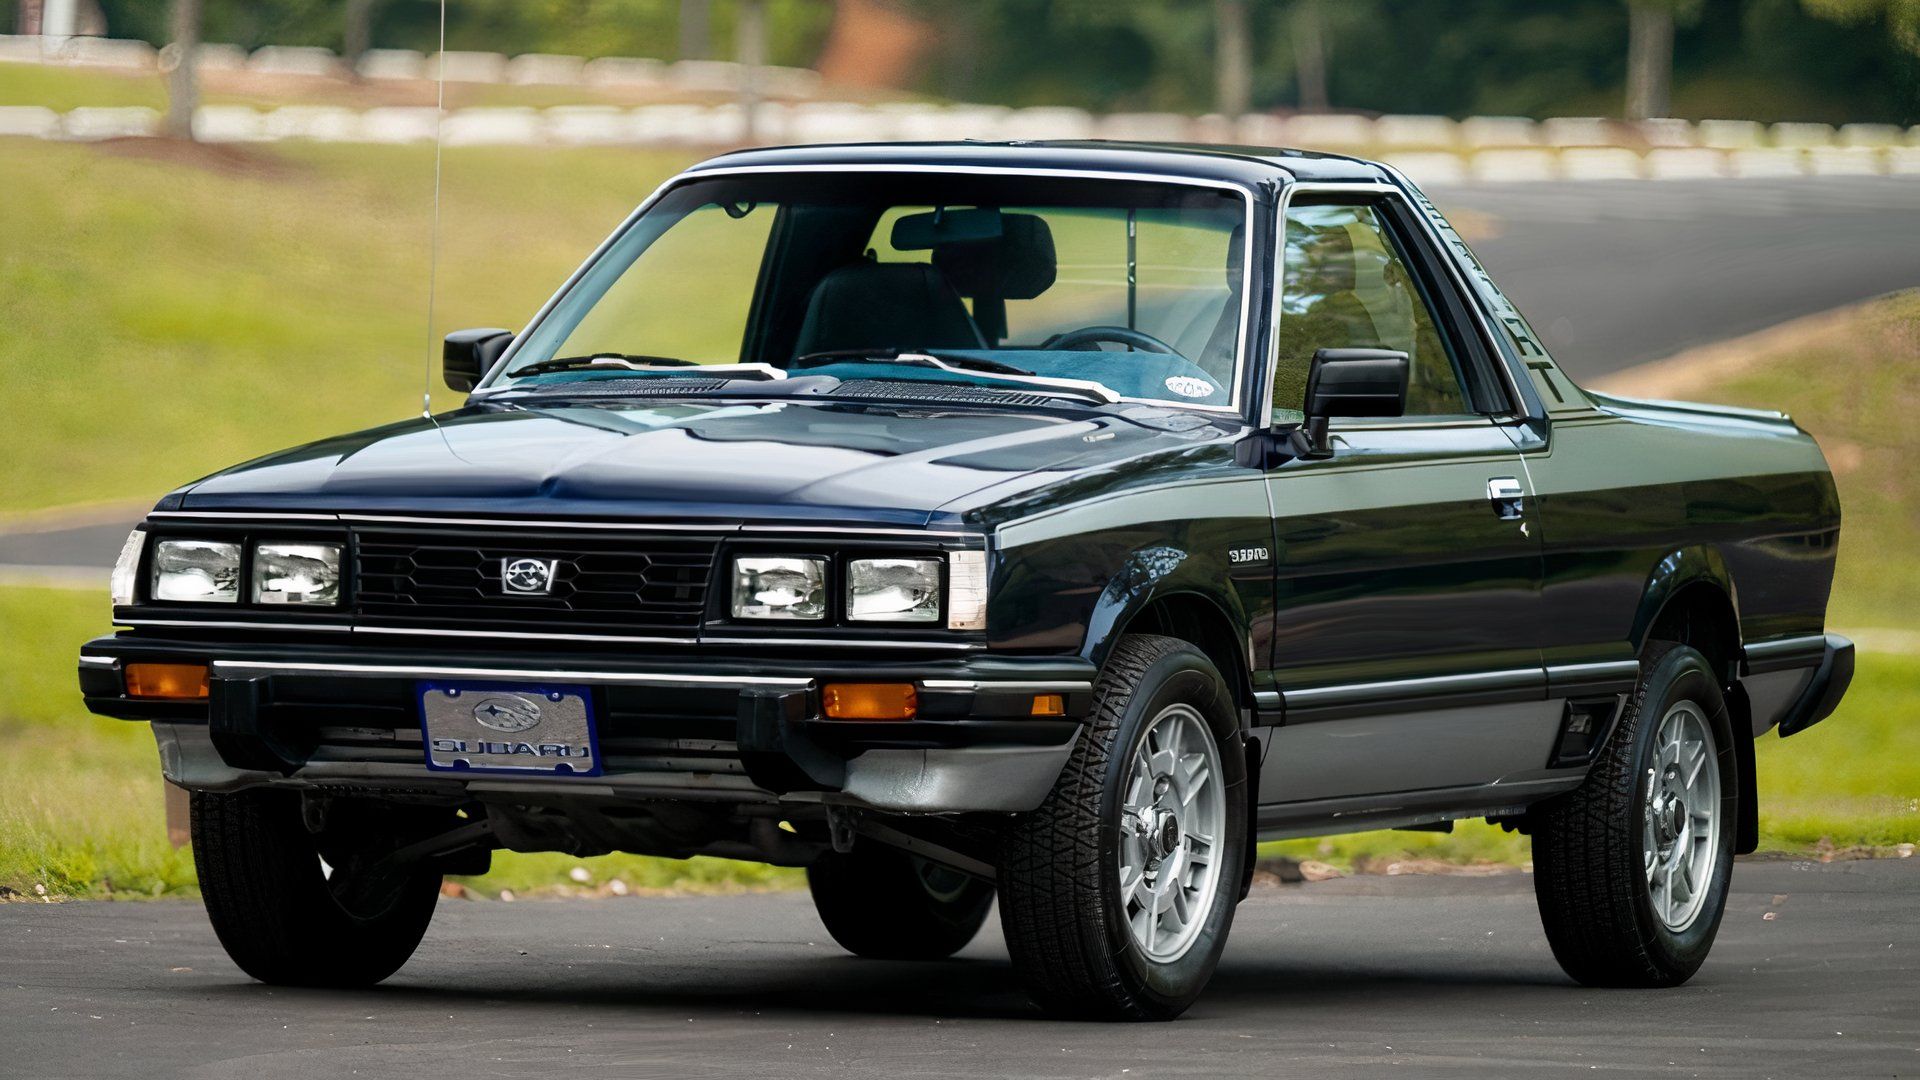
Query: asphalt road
{"x": 1615, "y": 273}
{"x": 1359, "y": 977}
{"x": 1611, "y": 274}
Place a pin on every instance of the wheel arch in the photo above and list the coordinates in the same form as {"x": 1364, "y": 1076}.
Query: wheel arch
{"x": 1201, "y": 622}
{"x": 1691, "y": 600}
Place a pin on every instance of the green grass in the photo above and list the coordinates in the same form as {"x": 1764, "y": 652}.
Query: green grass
{"x": 166, "y": 318}
{"x": 63, "y": 88}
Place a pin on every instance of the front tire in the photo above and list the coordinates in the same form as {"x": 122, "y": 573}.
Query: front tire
{"x": 1116, "y": 895}
{"x": 1631, "y": 871}
{"x": 885, "y": 904}
{"x": 286, "y": 918}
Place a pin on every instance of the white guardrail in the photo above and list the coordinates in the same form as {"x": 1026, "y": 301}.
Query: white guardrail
{"x": 1432, "y": 149}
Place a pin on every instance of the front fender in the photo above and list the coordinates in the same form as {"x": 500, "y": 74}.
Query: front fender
{"x": 1154, "y": 574}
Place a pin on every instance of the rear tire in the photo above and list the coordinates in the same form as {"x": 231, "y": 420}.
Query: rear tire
{"x": 1116, "y": 895}
{"x": 281, "y": 916}
{"x": 1631, "y": 871}
{"x": 884, "y": 904}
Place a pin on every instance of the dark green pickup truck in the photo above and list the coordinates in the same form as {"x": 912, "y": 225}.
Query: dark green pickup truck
{"x": 1041, "y": 521}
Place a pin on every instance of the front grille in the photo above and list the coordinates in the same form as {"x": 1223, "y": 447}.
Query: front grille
{"x": 612, "y": 584}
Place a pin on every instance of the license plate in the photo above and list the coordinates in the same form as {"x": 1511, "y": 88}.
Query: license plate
{"x": 498, "y": 727}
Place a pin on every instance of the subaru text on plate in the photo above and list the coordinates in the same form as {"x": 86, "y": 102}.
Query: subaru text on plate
{"x": 1041, "y": 521}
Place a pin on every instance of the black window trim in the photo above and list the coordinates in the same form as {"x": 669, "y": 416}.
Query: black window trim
{"x": 1461, "y": 318}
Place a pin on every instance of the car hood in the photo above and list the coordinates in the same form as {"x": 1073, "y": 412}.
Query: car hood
{"x": 743, "y": 460}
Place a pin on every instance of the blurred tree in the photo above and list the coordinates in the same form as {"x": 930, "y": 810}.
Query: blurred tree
{"x": 1902, "y": 17}
{"x": 356, "y": 33}
{"x": 750, "y": 52}
{"x": 183, "y": 82}
{"x": 1650, "y": 54}
{"x": 1310, "y": 54}
{"x": 696, "y": 29}
{"x": 1833, "y": 60}
{"x": 1232, "y": 58}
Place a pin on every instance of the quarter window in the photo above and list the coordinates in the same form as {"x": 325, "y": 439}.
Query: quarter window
{"x": 1347, "y": 286}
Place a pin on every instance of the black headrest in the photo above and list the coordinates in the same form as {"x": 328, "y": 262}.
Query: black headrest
{"x": 869, "y": 305}
{"x": 1016, "y": 265}
{"x": 1236, "y": 257}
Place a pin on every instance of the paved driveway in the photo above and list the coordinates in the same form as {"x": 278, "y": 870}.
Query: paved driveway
{"x": 1361, "y": 977}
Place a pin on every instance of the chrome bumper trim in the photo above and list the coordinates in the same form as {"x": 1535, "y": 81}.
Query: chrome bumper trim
{"x": 409, "y": 671}
{"x": 1009, "y": 687}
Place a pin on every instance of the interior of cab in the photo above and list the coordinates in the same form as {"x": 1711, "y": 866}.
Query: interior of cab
{"x": 1136, "y": 286}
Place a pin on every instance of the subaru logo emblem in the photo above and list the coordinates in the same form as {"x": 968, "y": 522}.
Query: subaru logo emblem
{"x": 507, "y": 712}
{"x": 528, "y": 576}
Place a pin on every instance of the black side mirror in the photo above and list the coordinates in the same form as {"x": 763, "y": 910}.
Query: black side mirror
{"x": 1352, "y": 382}
{"x": 468, "y": 355}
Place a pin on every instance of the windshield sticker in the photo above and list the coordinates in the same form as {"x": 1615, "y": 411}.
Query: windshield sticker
{"x": 1188, "y": 386}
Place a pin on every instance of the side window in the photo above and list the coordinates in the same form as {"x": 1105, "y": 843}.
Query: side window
{"x": 1346, "y": 286}
{"x": 644, "y": 311}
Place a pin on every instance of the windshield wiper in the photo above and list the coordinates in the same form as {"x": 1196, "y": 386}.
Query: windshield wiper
{"x": 963, "y": 365}
{"x": 888, "y": 356}
{"x": 603, "y": 360}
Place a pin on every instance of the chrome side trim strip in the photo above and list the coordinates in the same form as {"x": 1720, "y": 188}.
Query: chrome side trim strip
{"x": 1009, "y": 687}
{"x": 1619, "y": 669}
{"x": 1815, "y": 644}
{"x": 612, "y": 678}
{"x": 1321, "y": 696}
{"x": 221, "y": 624}
{"x": 1268, "y": 699}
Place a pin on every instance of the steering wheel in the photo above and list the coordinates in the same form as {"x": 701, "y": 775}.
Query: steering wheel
{"x": 1087, "y": 338}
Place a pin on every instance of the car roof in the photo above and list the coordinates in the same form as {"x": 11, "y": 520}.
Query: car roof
{"x": 1245, "y": 165}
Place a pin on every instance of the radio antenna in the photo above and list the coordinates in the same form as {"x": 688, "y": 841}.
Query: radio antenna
{"x": 433, "y": 235}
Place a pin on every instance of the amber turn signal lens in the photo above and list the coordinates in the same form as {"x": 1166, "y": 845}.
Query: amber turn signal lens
{"x": 167, "y": 682}
{"x": 869, "y": 701}
{"x": 1049, "y": 705}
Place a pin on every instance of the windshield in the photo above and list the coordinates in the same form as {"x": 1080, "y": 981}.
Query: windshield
{"x": 1134, "y": 286}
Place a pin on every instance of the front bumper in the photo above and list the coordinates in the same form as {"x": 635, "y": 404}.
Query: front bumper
{"x": 713, "y": 727}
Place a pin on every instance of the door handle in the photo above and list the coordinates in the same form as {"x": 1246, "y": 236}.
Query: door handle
{"x": 1508, "y": 498}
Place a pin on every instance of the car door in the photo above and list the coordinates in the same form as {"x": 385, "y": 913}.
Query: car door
{"x": 1408, "y": 571}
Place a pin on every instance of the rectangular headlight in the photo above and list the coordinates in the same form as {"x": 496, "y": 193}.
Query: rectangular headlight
{"x": 779, "y": 587}
{"x": 893, "y": 590}
{"x": 196, "y": 571}
{"x": 126, "y": 568}
{"x": 295, "y": 573}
